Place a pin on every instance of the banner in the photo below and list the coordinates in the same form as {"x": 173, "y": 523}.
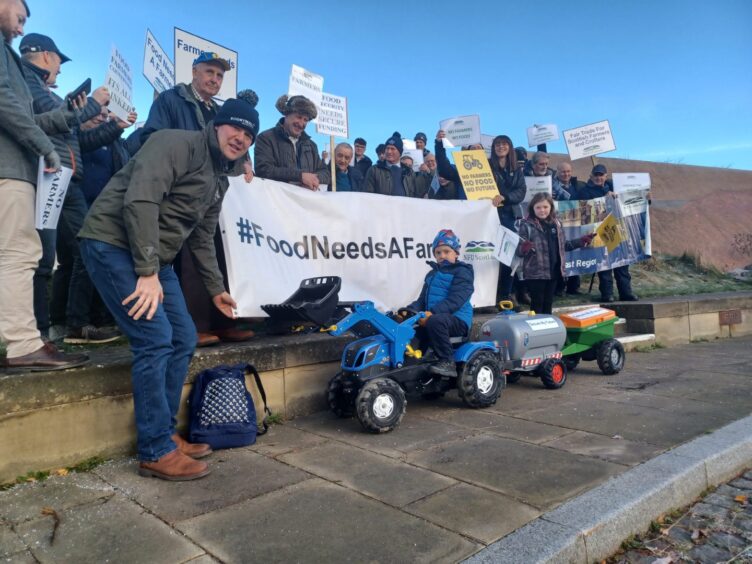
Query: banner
{"x": 540, "y": 134}
{"x": 51, "y": 189}
{"x": 627, "y": 228}
{"x": 158, "y": 68}
{"x": 332, "y": 118}
{"x": 589, "y": 140}
{"x": 536, "y": 185}
{"x": 462, "y": 130}
{"x": 189, "y": 46}
{"x": 475, "y": 173}
{"x": 276, "y": 235}
{"x": 120, "y": 82}
{"x": 306, "y": 83}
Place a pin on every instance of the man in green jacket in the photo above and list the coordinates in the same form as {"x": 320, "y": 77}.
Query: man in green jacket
{"x": 168, "y": 195}
{"x": 391, "y": 177}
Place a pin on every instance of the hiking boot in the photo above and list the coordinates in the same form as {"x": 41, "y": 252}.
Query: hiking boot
{"x": 628, "y": 298}
{"x": 234, "y": 335}
{"x": 206, "y": 340}
{"x": 46, "y": 358}
{"x": 174, "y": 467}
{"x": 194, "y": 450}
{"x": 444, "y": 368}
{"x": 88, "y": 334}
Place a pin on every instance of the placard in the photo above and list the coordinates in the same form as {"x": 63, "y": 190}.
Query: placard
{"x": 536, "y": 185}
{"x": 189, "y": 46}
{"x": 539, "y": 134}
{"x": 505, "y": 244}
{"x": 332, "y": 118}
{"x": 626, "y": 181}
{"x": 589, "y": 140}
{"x": 119, "y": 80}
{"x": 487, "y": 142}
{"x": 461, "y": 131}
{"x": 416, "y": 155}
{"x": 306, "y": 83}
{"x": 51, "y": 189}
{"x": 609, "y": 233}
{"x": 158, "y": 68}
{"x": 475, "y": 173}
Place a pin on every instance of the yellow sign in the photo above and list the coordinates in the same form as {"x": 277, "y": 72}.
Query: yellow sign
{"x": 475, "y": 172}
{"x": 609, "y": 233}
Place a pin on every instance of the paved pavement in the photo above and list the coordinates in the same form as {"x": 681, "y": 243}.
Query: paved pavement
{"x": 445, "y": 485}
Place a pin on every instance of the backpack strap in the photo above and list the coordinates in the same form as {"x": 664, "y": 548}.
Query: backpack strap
{"x": 250, "y": 369}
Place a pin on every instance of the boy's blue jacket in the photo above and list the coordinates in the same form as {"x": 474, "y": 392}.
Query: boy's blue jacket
{"x": 447, "y": 289}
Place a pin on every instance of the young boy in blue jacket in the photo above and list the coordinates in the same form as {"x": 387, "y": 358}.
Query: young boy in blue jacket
{"x": 445, "y": 299}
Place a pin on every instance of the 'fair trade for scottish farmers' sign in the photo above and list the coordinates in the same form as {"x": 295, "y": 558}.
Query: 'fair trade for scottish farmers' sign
{"x": 589, "y": 140}
{"x": 188, "y": 47}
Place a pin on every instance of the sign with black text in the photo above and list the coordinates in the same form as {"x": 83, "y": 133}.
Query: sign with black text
{"x": 589, "y": 140}
{"x": 158, "y": 68}
{"x": 188, "y": 47}
{"x": 332, "y": 118}
{"x": 119, "y": 80}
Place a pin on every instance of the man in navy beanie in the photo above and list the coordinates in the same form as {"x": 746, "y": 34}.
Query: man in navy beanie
{"x": 392, "y": 178}
{"x": 168, "y": 195}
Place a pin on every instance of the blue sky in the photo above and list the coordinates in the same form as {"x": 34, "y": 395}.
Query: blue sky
{"x": 674, "y": 78}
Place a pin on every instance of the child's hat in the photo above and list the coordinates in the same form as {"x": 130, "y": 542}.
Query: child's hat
{"x": 448, "y": 238}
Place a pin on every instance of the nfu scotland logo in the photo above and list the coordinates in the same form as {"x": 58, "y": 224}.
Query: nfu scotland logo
{"x": 478, "y": 250}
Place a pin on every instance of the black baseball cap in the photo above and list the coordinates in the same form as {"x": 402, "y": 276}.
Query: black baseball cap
{"x": 38, "y": 43}
{"x": 599, "y": 169}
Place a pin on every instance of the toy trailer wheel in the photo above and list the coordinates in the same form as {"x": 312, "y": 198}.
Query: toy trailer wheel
{"x": 571, "y": 361}
{"x": 480, "y": 383}
{"x": 610, "y": 356}
{"x": 380, "y": 405}
{"x": 553, "y": 373}
{"x": 338, "y": 404}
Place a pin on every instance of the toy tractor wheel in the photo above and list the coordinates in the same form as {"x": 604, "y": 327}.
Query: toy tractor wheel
{"x": 571, "y": 361}
{"x": 380, "y": 405}
{"x": 610, "y": 356}
{"x": 340, "y": 405}
{"x": 553, "y": 373}
{"x": 480, "y": 383}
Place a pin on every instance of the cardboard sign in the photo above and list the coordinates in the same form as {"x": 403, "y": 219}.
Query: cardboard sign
{"x": 189, "y": 46}
{"x": 158, "y": 68}
{"x": 120, "y": 82}
{"x": 609, "y": 233}
{"x": 306, "y": 83}
{"x": 416, "y": 155}
{"x": 332, "y": 118}
{"x": 536, "y": 185}
{"x": 589, "y": 140}
{"x": 505, "y": 245}
{"x": 539, "y": 134}
{"x": 475, "y": 173}
{"x": 461, "y": 131}
{"x": 626, "y": 181}
{"x": 51, "y": 189}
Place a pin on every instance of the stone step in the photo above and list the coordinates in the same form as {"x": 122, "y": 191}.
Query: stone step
{"x": 633, "y": 341}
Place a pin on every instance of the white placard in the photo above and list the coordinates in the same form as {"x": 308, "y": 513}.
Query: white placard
{"x": 51, "y": 189}
{"x": 461, "y": 131}
{"x": 416, "y": 155}
{"x": 306, "y": 83}
{"x": 332, "y": 118}
{"x": 505, "y": 245}
{"x": 269, "y": 250}
{"x": 589, "y": 140}
{"x": 158, "y": 68}
{"x": 188, "y": 47}
{"x": 626, "y": 181}
{"x": 487, "y": 142}
{"x": 542, "y": 324}
{"x": 539, "y": 134}
{"x": 587, "y": 313}
{"x": 408, "y": 144}
{"x": 536, "y": 185}
{"x": 119, "y": 80}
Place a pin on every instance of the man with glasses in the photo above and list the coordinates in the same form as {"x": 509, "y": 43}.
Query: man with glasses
{"x": 361, "y": 162}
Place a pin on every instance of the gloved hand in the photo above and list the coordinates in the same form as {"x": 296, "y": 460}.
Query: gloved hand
{"x": 404, "y": 313}
{"x": 423, "y": 320}
{"x": 527, "y": 248}
{"x": 52, "y": 162}
{"x": 587, "y": 239}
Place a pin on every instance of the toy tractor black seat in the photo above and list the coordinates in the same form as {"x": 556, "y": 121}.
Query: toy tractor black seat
{"x": 315, "y": 301}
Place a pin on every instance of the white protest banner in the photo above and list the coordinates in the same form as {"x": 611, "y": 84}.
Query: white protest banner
{"x": 487, "y": 142}
{"x": 416, "y": 155}
{"x": 539, "y": 134}
{"x": 462, "y": 130}
{"x": 306, "y": 83}
{"x": 158, "y": 68}
{"x": 119, "y": 80}
{"x": 188, "y": 47}
{"x": 626, "y": 181}
{"x": 332, "y": 118}
{"x": 506, "y": 242}
{"x": 51, "y": 189}
{"x": 589, "y": 140}
{"x": 536, "y": 185}
{"x": 371, "y": 241}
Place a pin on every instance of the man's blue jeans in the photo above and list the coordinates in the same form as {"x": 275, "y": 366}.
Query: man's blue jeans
{"x": 162, "y": 347}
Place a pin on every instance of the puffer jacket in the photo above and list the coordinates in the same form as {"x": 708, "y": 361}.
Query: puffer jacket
{"x": 537, "y": 265}
{"x": 379, "y": 181}
{"x": 278, "y": 159}
{"x": 22, "y": 132}
{"x": 168, "y": 194}
{"x": 590, "y": 191}
{"x": 447, "y": 289}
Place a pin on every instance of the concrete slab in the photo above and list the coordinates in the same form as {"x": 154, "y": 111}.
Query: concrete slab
{"x": 316, "y": 521}
{"x": 612, "y": 449}
{"x": 26, "y": 501}
{"x": 112, "y": 530}
{"x": 474, "y": 512}
{"x": 390, "y": 481}
{"x": 203, "y": 559}
{"x": 539, "y": 476}
{"x": 22, "y": 558}
{"x": 281, "y": 439}
{"x": 10, "y": 542}
{"x": 236, "y": 475}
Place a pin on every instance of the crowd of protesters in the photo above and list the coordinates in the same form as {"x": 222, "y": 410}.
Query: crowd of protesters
{"x": 137, "y": 247}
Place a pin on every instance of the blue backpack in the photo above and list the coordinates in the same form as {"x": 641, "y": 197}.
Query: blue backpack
{"x": 222, "y": 413}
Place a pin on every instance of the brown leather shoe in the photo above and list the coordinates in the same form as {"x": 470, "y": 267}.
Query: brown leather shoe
{"x": 233, "y": 335}
{"x": 194, "y": 450}
{"x": 47, "y": 358}
{"x": 206, "y": 339}
{"x": 174, "y": 467}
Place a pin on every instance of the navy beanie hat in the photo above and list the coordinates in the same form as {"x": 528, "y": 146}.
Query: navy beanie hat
{"x": 240, "y": 112}
{"x": 396, "y": 141}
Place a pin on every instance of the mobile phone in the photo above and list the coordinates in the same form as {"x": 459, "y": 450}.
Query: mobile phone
{"x": 84, "y": 88}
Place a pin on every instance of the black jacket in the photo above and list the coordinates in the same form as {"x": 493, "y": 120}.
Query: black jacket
{"x": 590, "y": 191}
{"x": 363, "y": 165}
